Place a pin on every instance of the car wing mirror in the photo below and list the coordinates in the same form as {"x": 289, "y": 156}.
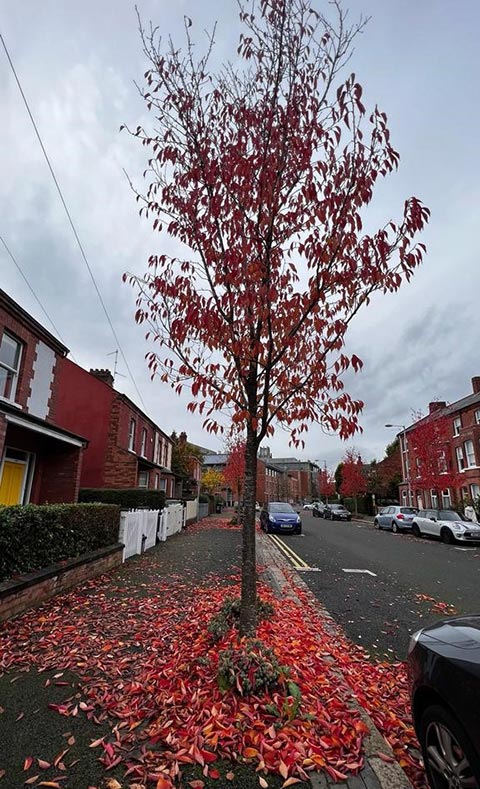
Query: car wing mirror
{"x": 433, "y": 518}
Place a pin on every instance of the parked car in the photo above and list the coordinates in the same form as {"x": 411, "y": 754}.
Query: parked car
{"x": 309, "y": 506}
{"x": 446, "y": 524}
{"x": 318, "y": 510}
{"x": 395, "y": 518}
{"x": 280, "y": 517}
{"x": 444, "y": 672}
{"x": 337, "y": 512}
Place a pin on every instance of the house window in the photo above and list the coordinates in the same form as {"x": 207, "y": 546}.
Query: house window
{"x": 470, "y": 453}
{"x": 10, "y": 354}
{"x": 442, "y": 462}
{"x": 446, "y": 500}
{"x": 143, "y": 448}
{"x": 457, "y": 425}
{"x": 404, "y": 496}
{"x": 475, "y": 492}
{"x": 477, "y": 416}
{"x": 156, "y": 453}
{"x": 143, "y": 479}
{"x": 434, "y": 498}
{"x": 131, "y": 435}
{"x": 460, "y": 458}
{"x": 163, "y": 484}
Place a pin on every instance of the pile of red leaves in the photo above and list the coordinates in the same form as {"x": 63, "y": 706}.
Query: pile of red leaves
{"x": 437, "y": 606}
{"x": 148, "y": 667}
{"x": 206, "y": 524}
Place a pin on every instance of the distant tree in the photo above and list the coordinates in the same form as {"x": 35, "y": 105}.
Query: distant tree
{"x": 326, "y": 483}
{"x": 430, "y": 446}
{"x": 338, "y": 476}
{"x": 353, "y": 479}
{"x": 261, "y": 173}
{"x": 392, "y": 447}
{"x": 212, "y": 480}
{"x": 183, "y": 455}
{"x": 234, "y": 472}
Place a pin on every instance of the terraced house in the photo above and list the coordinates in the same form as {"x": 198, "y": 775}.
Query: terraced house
{"x": 126, "y": 448}
{"x": 461, "y": 454}
{"x": 40, "y": 460}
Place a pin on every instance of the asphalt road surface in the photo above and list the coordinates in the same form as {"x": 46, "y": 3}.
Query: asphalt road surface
{"x": 410, "y": 582}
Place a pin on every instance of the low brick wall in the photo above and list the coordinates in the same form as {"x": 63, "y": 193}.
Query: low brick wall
{"x": 29, "y": 591}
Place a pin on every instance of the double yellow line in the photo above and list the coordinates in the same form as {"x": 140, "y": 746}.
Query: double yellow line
{"x": 293, "y": 557}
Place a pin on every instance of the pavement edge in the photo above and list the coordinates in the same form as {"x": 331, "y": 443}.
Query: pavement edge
{"x": 389, "y": 775}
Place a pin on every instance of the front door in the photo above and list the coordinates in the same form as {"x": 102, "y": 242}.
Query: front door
{"x": 12, "y": 481}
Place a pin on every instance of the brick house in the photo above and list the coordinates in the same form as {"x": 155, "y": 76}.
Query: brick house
{"x": 40, "y": 461}
{"x": 462, "y": 453}
{"x": 126, "y": 448}
{"x": 304, "y": 476}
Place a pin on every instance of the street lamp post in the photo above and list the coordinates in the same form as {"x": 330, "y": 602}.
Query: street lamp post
{"x": 407, "y": 460}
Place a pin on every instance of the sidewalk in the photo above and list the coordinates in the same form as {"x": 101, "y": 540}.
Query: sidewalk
{"x": 120, "y": 676}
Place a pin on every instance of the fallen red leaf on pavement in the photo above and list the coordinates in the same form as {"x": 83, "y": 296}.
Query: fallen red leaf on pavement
{"x": 156, "y": 685}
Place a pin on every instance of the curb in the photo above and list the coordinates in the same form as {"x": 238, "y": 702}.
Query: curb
{"x": 376, "y": 773}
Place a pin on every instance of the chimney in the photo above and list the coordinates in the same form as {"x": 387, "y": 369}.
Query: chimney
{"x": 103, "y": 375}
{"x": 476, "y": 384}
{"x": 437, "y": 405}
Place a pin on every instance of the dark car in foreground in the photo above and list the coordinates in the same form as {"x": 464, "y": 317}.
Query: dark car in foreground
{"x": 444, "y": 671}
{"x": 280, "y": 517}
{"x": 337, "y": 512}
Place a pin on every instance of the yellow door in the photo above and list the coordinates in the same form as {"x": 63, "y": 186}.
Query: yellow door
{"x": 11, "y": 482}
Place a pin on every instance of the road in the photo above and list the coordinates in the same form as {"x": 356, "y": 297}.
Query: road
{"x": 411, "y": 582}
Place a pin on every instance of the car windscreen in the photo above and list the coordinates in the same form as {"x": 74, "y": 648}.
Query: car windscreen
{"x": 408, "y": 510}
{"x": 337, "y": 507}
{"x": 280, "y": 508}
{"x": 449, "y": 515}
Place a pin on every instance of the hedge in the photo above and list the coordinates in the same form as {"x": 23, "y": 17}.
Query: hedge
{"x": 126, "y": 498}
{"x": 37, "y": 535}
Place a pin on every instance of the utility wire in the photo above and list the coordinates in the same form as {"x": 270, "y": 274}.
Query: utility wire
{"x": 82, "y": 251}
{"x": 10, "y": 253}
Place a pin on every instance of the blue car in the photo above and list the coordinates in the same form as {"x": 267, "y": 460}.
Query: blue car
{"x": 278, "y": 517}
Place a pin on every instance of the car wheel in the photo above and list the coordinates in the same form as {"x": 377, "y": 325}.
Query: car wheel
{"x": 448, "y": 754}
{"x": 299, "y": 531}
{"x": 416, "y": 530}
{"x": 395, "y": 528}
{"x": 376, "y": 524}
{"x": 447, "y": 536}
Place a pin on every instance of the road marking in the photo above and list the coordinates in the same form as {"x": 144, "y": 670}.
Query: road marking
{"x": 296, "y": 560}
{"x": 367, "y": 572}
{"x": 309, "y": 569}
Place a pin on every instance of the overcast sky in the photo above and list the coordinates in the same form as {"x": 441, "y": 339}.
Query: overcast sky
{"x": 420, "y": 61}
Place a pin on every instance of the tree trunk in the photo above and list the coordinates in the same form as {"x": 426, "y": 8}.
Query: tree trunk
{"x": 248, "y": 609}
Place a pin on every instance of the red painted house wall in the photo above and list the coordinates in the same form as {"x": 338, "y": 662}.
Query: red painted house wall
{"x": 84, "y": 405}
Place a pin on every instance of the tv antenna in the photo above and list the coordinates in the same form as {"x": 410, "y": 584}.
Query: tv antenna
{"x": 115, "y": 371}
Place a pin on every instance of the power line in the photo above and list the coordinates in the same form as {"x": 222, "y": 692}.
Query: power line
{"x": 10, "y": 253}
{"x": 82, "y": 251}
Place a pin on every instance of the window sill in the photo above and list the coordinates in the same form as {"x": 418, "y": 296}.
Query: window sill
{"x": 11, "y": 402}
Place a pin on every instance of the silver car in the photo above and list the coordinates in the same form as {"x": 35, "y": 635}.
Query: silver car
{"x": 395, "y": 517}
{"x": 449, "y": 525}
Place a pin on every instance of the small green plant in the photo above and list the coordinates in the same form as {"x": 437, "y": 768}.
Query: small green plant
{"x": 229, "y": 616}
{"x": 249, "y": 667}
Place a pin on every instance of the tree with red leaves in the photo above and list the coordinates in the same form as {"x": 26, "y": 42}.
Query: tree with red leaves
{"x": 260, "y": 174}
{"x": 234, "y": 471}
{"x": 326, "y": 483}
{"x": 430, "y": 454}
{"x": 354, "y": 482}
